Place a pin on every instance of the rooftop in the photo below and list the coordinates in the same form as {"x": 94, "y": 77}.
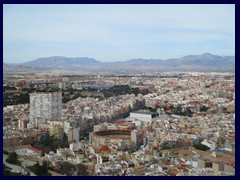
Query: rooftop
{"x": 144, "y": 112}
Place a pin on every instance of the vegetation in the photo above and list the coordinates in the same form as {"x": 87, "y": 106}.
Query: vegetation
{"x": 13, "y": 98}
{"x": 49, "y": 143}
{"x": 23, "y": 96}
{"x": 40, "y": 170}
{"x": 203, "y": 109}
{"x": 84, "y": 134}
{"x": 178, "y": 111}
{"x": 122, "y": 90}
{"x": 201, "y": 147}
{"x": 5, "y": 152}
{"x": 69, "y": 169}
{"x": 8, "y": 88}
{"x": 220, "y": 141}
{"x": 13, "y": 158}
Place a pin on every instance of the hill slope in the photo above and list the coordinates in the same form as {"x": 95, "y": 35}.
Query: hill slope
{"x": 204, "y": 62}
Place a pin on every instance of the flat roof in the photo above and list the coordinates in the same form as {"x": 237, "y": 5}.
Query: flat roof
{"x": 144, "y": 112}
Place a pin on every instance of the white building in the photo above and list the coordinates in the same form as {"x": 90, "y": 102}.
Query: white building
{"x": 45, "y": 106}
{"x": 27, "y": 150}
{"x": 210, "y": 144}
{"x": 144, "y": 116}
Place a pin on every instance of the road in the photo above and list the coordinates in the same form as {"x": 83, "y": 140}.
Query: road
{"x": 17, "y": 169}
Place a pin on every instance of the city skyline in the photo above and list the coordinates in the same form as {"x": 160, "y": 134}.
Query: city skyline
{"x": 117, "y": 32}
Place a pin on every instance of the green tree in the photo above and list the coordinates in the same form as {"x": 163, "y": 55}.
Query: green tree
{"x": 8, "y": 88}
{"x": 66, "y": 168}
{"x": 220, "y": 141}
{"x": 49, "y": 143}
{"x": 47, "y": 140}
{"x": 40, "y": 170}
{"x": 81, "y": 170}
{"x": 13, "y": 158}
{"x": 203, "y": 109}
{"x": 201, "y": 147}
{"x": 65, "y": 140}
{"x": 43, "y": 153}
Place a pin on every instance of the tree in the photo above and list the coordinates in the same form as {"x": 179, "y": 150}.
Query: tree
{"x": 47, "y": 140}
{"x": 220, "y": 141}
{"x": 82, "y": 170}
{"x": 201, "y": 147}
{"x": 43, "y": 153}
{"x": 13, "y": 158}
{"x": 40, "y": 170}
{"x": 203, "y": 109}
{"x": 65, "y": 141}
{"x": 49, "y": 143}
{"x": 66, "y": 168}
{"x": 70, "y": 169}
{"x": 189, "y": 112}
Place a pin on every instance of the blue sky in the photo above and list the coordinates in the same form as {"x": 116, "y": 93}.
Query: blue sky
{"x": 116, "y": 32}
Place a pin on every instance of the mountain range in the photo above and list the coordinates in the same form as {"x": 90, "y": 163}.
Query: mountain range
{"x": 204, "y": 62}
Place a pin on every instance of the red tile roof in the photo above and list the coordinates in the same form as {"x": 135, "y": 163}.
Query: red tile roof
{"x": 105, "y": 148}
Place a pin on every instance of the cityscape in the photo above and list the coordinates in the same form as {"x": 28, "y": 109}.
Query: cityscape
{"x": 157, "y": 115}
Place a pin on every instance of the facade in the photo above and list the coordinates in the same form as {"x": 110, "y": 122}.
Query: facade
{"x": 73, "y": 134}
{"x": 45, "y": 106}
{"x": 119, "y": 138}
{"x": 27, "y": 150}
{"x": 56, "y": 131}
{"x": 210, "y": 144}
{"x": 147, "y": 117}
{"x": 136, "y": 137}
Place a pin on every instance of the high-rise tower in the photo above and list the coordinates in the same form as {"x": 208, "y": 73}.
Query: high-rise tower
{"x": 45, "y": 106}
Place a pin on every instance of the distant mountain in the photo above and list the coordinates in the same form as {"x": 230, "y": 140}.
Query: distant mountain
{"x": 205, "y": 59}
{"x": 204, "y": 62}
{"x": 6, "y": 67}
{"x": 12, "y": 69}
{"x": 143, "y": 62}
{"x": 61, "y": 62}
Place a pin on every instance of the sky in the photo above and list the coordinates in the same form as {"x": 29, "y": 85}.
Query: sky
{"x": 117, "y": 32}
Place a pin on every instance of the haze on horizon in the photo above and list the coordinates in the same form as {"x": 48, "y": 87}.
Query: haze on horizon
{"x": 117, "y": 32}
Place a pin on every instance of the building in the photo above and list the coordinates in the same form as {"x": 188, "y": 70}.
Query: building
{"x": 45, "y": 106}
{"x": 144, "y": 116}
{"x": 73, "y": 134}
{"x": 210, "y": 144}
{"x": 118, "y": 137}
{"x": 136, "y": 137}
{"x": 27, "y": 150}
{"x": 56, "y": 131}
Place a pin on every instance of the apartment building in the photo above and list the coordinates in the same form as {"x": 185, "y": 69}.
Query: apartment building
{"x": 45, "y": 106}
{"x": 56, "y": 131}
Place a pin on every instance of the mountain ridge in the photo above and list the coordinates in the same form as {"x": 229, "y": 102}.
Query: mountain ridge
{"x": 205, "y": 61}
